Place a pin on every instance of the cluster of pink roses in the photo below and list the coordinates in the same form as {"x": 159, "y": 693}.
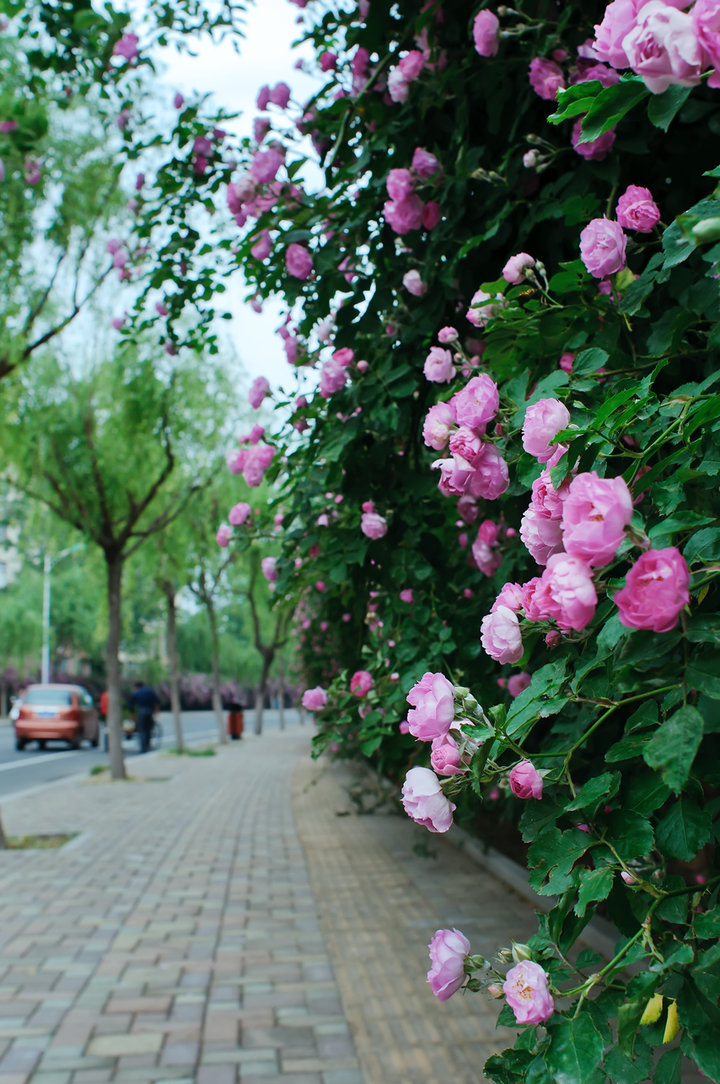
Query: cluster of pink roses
{"x": 603, "y": 241}
{"x": 572, "y": 531}
{"x": 475, "y": 468}
{"x": 405, "y": 211}
{"x": 252, "y": 461}
{"x": 663, "y": 44}
{"x": 334, "y": 372}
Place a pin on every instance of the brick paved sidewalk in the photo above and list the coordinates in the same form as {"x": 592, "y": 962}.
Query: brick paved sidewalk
{"x": 219, "y": 922}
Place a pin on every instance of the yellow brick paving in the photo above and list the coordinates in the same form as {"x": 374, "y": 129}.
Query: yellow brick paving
{"x": 219, "y": 923}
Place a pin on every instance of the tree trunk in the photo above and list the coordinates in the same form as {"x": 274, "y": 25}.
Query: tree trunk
{"x": 114, "y": 719}
{"x": 173, "y": 664}
{"x": 268, "y": 655}
{"x": 281, "y": 692}
{"x": 216, "y": 698}
{"x": 3, "y": 837}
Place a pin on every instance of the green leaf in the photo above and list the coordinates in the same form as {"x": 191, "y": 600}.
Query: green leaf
{"x": 589, "y": 361}
{"x": 595, "y": 884}
{"x": 678, "y": 241}
{"x": 552, "y": 857}
{"x": 706, "y": 973}
{"x": 669, "y": 1069}
{"x": 683, "y": 830}
{"x": 703, "y": 673}
{"x": 708, "y": 924}
{"x": 575, "y": 1052}
{"x": 672, "y": 748}
{"x": 703, "y": 546}
{"x": 624, "y": 1070}
{"x": 628, "y": 1023}
{"x": 596, "y": 790}
{"x": 610, "y": 106}
{"x": 663, "y": 108}
{"x": 632, "y": 834}
{"x": 701, "y": 1018}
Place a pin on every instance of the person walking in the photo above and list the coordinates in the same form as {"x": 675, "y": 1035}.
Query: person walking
{"x": 145, "y": 702}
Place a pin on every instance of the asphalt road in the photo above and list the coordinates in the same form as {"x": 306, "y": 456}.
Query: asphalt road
{"x": 33, "y": 767}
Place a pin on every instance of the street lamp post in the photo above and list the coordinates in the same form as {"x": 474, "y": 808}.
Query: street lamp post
{"x": 48, "y": 563}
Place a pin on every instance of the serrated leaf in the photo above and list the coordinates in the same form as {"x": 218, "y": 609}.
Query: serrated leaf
{"x": 683, "y": 830}
{"x": 704, "y": 545}
{"x": 669, "y": 1069}
{"x": 596, "y": 790}
{"x": 703, "y": 673}
{"x": 706, "y": 973}
{"x": 672, "y": 748}
{"x": 575, "y": 1052}
{"x": 708, "y": 924}
{"x": 589, "y": 361}
{"x": 595, "y": 884}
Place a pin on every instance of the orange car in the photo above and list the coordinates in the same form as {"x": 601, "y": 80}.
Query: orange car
{"x": 57, "y": 713}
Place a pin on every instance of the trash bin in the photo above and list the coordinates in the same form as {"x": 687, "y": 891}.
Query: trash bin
{"x": 236, "y": 721}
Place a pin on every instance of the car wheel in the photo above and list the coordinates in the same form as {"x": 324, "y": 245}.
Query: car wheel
{"x": 41, "y": 743}
{"x": 20, "y": 744}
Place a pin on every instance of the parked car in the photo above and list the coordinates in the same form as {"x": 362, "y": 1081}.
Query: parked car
{"x": 57, "y": 713}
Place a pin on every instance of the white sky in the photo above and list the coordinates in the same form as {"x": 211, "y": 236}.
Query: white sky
{"x": 234, "y": 80}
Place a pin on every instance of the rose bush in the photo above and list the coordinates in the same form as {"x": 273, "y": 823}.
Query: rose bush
{"x": 572, "y": 405}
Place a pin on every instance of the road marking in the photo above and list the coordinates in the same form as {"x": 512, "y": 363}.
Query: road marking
{"x": 35, "y": 760}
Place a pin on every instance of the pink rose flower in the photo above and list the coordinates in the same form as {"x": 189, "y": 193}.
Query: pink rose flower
{"x": 477, "y": 403}
{"x": 433, "y": 707}
{"x": 127, "y": 47}
{"x": 510, "y": 596}
{"x": 468, "y": 509}
{"x": 265, "y": 165}
{"x": 424, "y": 801}
{"x": 239, "y": 513}
{"x": 595, "y": 514}
{"x": 397, "y": 86}
{"x": 541, "y": 534}
{"x": 412, "y": 64}
{"x": 431, "y": 215}
{"x": 223, "y": 536}
{"x": 602, "y": 247}
{"x": 268, "y": 565}
{"x": 424, "y": 164}
{"x": 467, "y": 444}
{"x": 361, "y": 683}
{"x": 332, "y": 378}
{"x": 484, "y": 307}
{"x": 566, "y": 592}
{"x": 543, "y": 421}
{"x": 525, "y": 780}
{"x": 448, "y": 950}
{"x": 258, "y": 390}
{"x": 314, "y": 699}
{"x": 414, "y": 284}
{"x": 447, "y": 335}
{"x": 527, "y": 994}
{"x": 618, "y": 20}
{"x": 298, "y": 261}
{"x": 439, "y": 420}
{"x": 517, "y": 684}
{"x": 445, "y": 756}
{"x": 454, "y": 475}
{"x": 593, "y": 150}
{"x": 513, "y": 271}
{"x": 262, "y": 247}
{"x": 500, "y": 635}
{"x": 344, "y": 356}
{"x": 706, "y": 19}
{"x": 373, "y": 525}
{"x": 280, "y": 95}
{"x": 404, "y": 215}
{"x": 546, "y": 78}
{"x": 656, "y": 589}
{"x": 637, "y": 210}
{"x": 256, "y": 461}
{"x": 490, "y": 477}
{"x": 663, "y": 47}
{"x": 406, "y": 595}
{"x": 400, "y": 184}
{"x": 439, "y": 367}
{"x": 486, "y": 33}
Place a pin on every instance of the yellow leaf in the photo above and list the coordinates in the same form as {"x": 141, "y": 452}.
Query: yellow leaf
{"x": 652, "y": 1010}
{"x": 672, "y": 1024}
{"x": 703, "y": 592}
